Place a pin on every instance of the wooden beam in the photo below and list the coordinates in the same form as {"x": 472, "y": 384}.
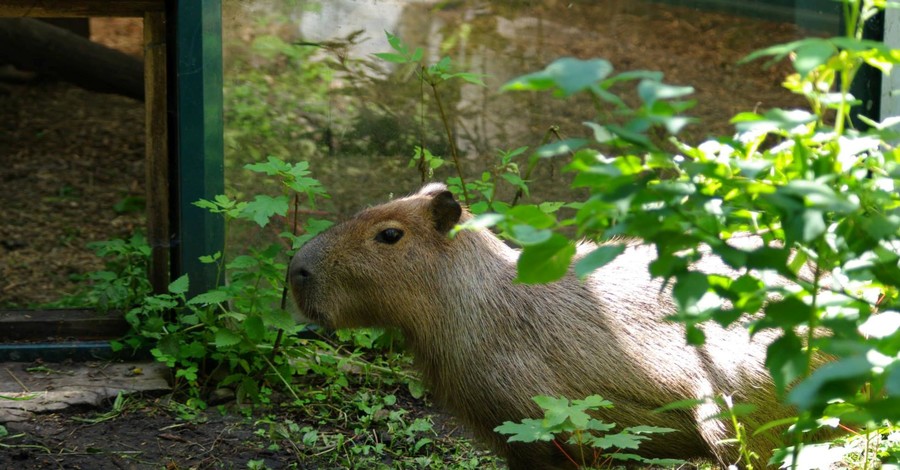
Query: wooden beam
{"x": 156, "y": 165}
{"x": 79, "y": 8}
{"x": 40, "y": 326}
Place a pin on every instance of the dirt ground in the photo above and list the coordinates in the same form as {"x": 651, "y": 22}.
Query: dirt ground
{"x": 68, "y": 157}
{"x": 67, "y": 416}
{"x": 145, "y": 436}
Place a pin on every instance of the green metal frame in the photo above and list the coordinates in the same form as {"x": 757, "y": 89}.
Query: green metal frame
{"x": 198, "y": 169}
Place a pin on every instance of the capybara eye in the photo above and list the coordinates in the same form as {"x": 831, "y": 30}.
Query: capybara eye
{"x": 389, "y": 236}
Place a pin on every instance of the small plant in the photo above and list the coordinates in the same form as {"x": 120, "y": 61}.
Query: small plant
{"x": 568, "y": 424}
{"x": 121, "y": 284}
{"x": 120, "y": 405}
{"x": 434, "y": 76}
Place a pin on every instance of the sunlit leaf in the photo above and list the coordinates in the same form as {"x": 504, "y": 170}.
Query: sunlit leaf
{"x": 545, "y": 262}
{"x": 567, "y": 75}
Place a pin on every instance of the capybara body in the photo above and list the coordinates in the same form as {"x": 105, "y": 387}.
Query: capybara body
{"x": 486, "y": 345}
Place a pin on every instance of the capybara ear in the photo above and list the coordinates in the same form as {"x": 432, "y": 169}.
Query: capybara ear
{"x": 432, "y": 189}
{"x": 445, "y": 211}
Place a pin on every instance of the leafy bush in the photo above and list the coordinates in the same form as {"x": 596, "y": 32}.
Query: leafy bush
{"x": 821, "y": 194}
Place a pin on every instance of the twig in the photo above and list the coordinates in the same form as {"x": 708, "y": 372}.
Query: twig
{"x": 17, "y": 380}
{"x": 451, "y": 141}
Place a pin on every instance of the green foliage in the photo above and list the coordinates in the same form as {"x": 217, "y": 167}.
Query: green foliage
{"x": 370, "y": 428}
{"x": 122, "y": 282}
{"x": 262, "y": 95}
{"x": 237, "y": 330}
{"x": 239, "y": 336}
{"x": 821, "y": 197}
{"x": 566, "y": 422}
{"x": 434, "y": 75}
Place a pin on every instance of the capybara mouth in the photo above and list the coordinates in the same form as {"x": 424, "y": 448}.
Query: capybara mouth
{"x": 314, "y": 315}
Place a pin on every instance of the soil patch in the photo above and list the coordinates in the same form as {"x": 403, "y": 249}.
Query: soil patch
{"x": 155, "y": 433}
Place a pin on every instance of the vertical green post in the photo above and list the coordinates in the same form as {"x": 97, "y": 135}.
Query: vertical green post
{"x": 199, "y": 166}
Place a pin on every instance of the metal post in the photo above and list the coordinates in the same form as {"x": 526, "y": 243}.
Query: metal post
{"x": 198, "y": 166}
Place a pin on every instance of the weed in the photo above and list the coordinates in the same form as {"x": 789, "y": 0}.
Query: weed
{"x": 566, "y": 422}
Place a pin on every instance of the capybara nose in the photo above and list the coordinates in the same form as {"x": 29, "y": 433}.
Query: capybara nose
{"x": 299, "y": 272}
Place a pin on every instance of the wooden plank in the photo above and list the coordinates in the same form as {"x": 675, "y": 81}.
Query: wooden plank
{"x": 54, "y": 387}
{"x": 79, "y": 8}
{"x": 41, "y": 325}
{"x": 156, "y": 166}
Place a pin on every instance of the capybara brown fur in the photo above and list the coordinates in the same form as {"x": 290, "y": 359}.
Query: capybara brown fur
{"x": 485, "y": 345}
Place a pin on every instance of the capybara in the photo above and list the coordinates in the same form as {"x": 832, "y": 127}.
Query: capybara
{"x": 485, "y": 345}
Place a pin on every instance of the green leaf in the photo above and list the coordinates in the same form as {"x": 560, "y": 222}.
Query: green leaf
{"x": 225, "y": 338}
{"x": 593, "y": 402}
{"x": 560, "y": 147}
{"x": 812, "y": 53}
{"x": 254, "y": 329}
{"x": 772, "y": 120}
{"x": 530, "y": 215}
{"x": 566, "y": 75}
{"x": 892, "y": 380}
{"x": 196, "y": 349}
{"x": 243, "y": 262}
{"x": 180, "y": 285}
{"x": 473, "y": 78}
{"x": 272, "y": 167}
{"x": 651, "y": 91}
{"x": 810, "y": 392}
{"x": 598, "y": 258}
{"x": 601, "y": 134}
{"x": 818, "y": 195}
{"x": 481, "y": 221}
{"x": 785, "y": 360}
{"x": 529, "y": 430}
{"x": 278, "y": 318}
{"x": 416, "y": 389}
{"x": 211, "y": 297}
{"x": 391, "y": 57}
{"x": 263, "y": 207}
{"x": 211, "y": 259}
{"x": 557, "y": 411}
{"x": 527, "y": 235}
{"x": 647, "y": 430}
{"x": 622, "y": 440}
{"x": 695, "y": 336}
{"x": 545, "y": 262}
{"x": 689, "y": 288}
{"x": 395, "y": 42}
{"x": 787, "y": 313}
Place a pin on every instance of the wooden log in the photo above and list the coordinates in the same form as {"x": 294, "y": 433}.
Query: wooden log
{"x": 79, "y": 8}
{"x": 37, "y": 46}
{"x": 156, "y": 166}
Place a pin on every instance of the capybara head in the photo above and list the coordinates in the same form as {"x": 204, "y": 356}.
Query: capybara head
{"x": 370, "y": 269}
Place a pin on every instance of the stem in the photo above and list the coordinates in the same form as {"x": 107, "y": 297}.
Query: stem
{"x": 284, "y": 290}
{"x": 450, "y": 140}
{"x": 533, "y": 164}
{"x": 558, "y": 446}
{"x": 423, "y": 166}
{"x": 287, "y": 384}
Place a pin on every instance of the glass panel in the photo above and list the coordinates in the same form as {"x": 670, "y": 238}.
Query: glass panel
{"x": 302, "y": 82}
